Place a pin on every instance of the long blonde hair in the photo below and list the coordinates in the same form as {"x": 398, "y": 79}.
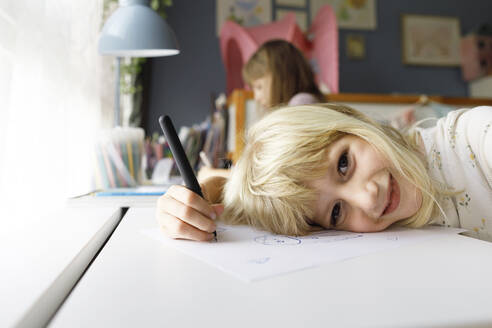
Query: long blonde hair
{"x": 290, "y": 71}
{"x": 287, "y": 148}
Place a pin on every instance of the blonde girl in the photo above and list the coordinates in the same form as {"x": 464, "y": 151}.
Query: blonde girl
{"x": 330, "y": 166}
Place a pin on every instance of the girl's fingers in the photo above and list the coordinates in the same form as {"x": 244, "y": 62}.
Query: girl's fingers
{"x": 189, "y": 198}
{"x": 178, "y": 229}
{"x": 185, "y": 213}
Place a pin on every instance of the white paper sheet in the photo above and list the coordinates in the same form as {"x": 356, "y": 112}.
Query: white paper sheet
{"x": 251, "y": 255}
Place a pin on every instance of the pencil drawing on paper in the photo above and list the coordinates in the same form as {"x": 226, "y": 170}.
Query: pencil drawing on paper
{"x": 330, "y": 236}
{"x": 252, "y": 254}
{"x": 220, "y": 229}
{"x": 320, "y": 237}
{"x": 261, "y": 260}
{"x": 277, "y": 240}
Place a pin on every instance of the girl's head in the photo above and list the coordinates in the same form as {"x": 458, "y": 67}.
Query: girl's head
{"x": 277, "y": 71}
{"x": 331, "y": 166}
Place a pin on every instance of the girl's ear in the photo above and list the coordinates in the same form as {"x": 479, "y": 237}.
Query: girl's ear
{"x": 311, "y": 222}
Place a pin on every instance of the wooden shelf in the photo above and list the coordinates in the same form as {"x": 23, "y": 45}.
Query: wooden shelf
{"x": 405, "y": 99}
{"x": 240, "y": 96}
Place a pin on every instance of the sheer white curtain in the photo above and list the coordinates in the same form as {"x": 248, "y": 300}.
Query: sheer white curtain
{"x": 50, "y": 103}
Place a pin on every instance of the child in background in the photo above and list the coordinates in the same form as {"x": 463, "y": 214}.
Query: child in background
{"x": 330, "y": 166}
{"x": 279, "y": 74}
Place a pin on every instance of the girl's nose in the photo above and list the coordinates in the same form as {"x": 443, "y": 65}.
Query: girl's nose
{"x": 365, "y": 197}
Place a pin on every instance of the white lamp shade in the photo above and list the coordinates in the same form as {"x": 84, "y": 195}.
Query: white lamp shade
{"x": 135, "y": 30}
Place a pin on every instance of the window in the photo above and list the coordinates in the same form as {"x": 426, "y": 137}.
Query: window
{"x": 50, "y": 103}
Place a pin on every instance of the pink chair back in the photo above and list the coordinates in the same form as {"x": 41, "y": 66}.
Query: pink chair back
{"x": 237, "y": 45}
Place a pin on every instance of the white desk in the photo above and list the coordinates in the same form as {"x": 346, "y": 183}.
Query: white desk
{"x": 41, "y": 263}
{"x": 137, "y": 282}
{"x": 113, "y": 201}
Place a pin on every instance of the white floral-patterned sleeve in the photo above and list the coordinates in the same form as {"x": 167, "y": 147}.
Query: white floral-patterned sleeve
{"x": 459, "y": 152}
{"x": 477, "y": 123}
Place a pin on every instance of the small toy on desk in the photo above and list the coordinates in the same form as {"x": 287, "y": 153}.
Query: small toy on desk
{"x": 156, "y": 149}
{"x": 162, "y": 172}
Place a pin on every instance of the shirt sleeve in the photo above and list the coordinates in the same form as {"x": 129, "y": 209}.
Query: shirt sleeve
{"x": 477, "y": 124}
{"x": 458, "y": 150}
{"x": 303, "y": 98}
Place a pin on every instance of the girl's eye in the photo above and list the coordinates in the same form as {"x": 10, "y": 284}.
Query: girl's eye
{"x": 343, "y": 164}
{"x": 335, "y": 214}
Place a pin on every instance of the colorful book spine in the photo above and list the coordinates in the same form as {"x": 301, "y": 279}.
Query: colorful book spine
{"x": 130, "y": 159}
{"x": 109, "y": 169}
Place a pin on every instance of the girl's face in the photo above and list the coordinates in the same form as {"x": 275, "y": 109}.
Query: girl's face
{"x": 361, "y": 191}
{"x": 261, "y": 89}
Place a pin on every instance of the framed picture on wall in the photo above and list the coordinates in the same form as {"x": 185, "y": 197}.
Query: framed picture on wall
{"x": 430, "y": 40}
{"x": 291, "y": 3}
{"x": 353, "y": 14}
{"x": 355, "y": 46}
{"x": 244, "y": 12}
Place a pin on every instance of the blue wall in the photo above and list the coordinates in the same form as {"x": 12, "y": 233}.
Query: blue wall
{"x": 181, "y": 85}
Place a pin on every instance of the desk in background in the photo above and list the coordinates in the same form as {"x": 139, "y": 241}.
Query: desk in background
{"x": 242, "y": 109}
{"x": 143, "y": 196}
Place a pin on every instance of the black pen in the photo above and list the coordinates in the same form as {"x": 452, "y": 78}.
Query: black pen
{"x": 179, "y": 155}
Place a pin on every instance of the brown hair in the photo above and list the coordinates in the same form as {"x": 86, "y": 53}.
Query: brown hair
{"x": 291, "y": 73}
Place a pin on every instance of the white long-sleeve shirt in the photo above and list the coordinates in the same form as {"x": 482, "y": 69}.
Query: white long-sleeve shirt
{"x": 459, "y": 153}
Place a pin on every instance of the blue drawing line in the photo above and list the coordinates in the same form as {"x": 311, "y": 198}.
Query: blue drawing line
{"x": 261, "y": 260}
{"x": 277, "y": 240}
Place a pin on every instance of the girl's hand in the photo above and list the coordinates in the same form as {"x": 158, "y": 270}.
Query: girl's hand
{"x": 206, "y": 173}
{"x": 182, "y": 214}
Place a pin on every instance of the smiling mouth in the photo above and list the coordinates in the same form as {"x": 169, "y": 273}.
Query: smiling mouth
{"x": 394, "y": 196}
